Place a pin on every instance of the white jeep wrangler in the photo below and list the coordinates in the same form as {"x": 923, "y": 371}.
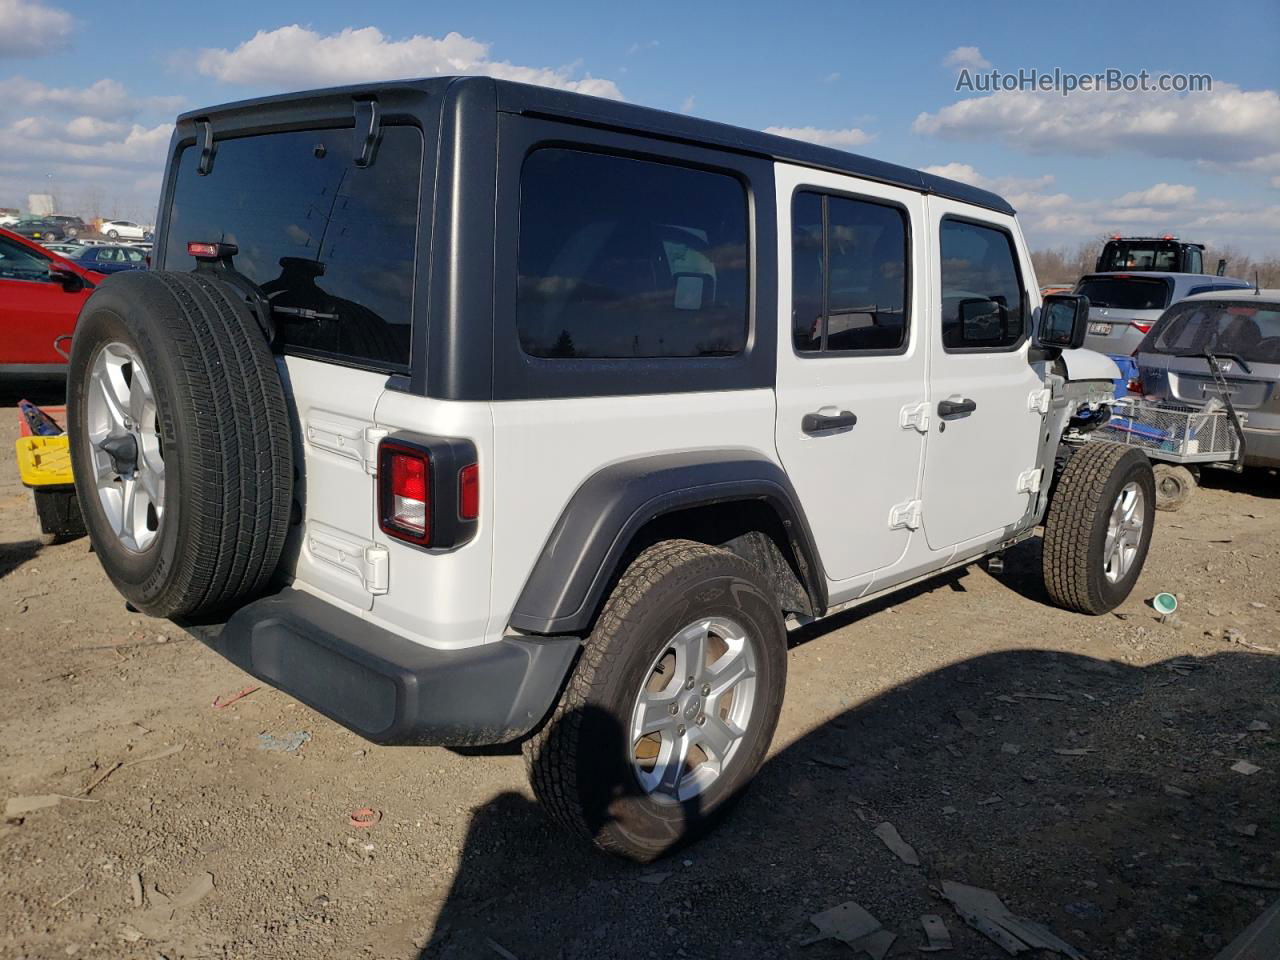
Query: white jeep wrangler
{"x": 469, "y": 412}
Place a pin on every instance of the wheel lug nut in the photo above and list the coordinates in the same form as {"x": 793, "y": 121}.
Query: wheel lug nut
{"x": 680, "y": 730}
{"x": 688, "y": 684}
{"x": 706, "y": 689}
{"x": 701, "y": 719}
{"x": 673, "y": 709}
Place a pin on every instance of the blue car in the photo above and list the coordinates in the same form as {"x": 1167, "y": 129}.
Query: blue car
{"x": 111, "y": 259}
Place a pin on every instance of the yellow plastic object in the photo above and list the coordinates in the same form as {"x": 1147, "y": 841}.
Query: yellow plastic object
{"x": 44, "y": 461}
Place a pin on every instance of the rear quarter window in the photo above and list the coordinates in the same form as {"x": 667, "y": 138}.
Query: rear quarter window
{"x": 332, "y": 245}
{"x": 621, "y": 257}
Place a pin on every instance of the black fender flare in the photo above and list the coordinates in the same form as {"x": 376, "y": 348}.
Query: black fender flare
{"x": 592, "y": 534}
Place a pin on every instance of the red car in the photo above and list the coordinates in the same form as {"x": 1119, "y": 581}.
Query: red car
{"x": 40, "y": 297}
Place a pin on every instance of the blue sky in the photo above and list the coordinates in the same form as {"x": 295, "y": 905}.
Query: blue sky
{"x": 86, "y": 90}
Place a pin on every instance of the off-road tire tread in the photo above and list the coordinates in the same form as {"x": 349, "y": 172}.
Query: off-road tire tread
{"x": 551, "y": 755}
{"x": 1067, "y": 530}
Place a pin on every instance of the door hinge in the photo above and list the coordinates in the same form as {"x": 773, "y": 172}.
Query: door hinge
{"x": 905, "y": 516}
{"x": 372, "y": 437}
{"x": 1029, "y": 480}
{"x": 915, "y": 416}
{"x": 1039, "y": 400}
{"x": 368, "y": 562}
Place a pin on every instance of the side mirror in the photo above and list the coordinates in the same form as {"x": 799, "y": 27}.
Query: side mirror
{"x": 1064, "y": 321}
{"x": 71, "y": 281}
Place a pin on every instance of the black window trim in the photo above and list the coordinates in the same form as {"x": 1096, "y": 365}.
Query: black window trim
{"x": 323, "y": 122}
{"x": 519, "y": 376}
{"x": 1022, "y": 287}
{"x": 908, "y": 306}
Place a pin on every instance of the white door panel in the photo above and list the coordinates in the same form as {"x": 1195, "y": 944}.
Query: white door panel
{"x": 974, "y": 461}
{"x": 850, "y": 480}
{"x": 333, "y": 407}
{"x": 543, "y": 450}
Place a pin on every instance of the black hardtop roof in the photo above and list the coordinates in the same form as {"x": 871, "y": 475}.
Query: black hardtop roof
{"x": 524, "y": 98}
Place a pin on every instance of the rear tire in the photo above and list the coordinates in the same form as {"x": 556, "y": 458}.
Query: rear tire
{"x": 113, "y": 234}
{"x": 191, "y": 517}
{"x": 588, "y": 767}
{"x": 1098, "y": 530}
{"x": 1174, "y": 486}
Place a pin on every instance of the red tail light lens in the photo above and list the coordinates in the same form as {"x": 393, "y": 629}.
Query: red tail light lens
{"x": 1135, "y": 386}
{"x": 469, "y": 492}
{"x": 404, "y": 507}
{"x": 1143, "y": 327}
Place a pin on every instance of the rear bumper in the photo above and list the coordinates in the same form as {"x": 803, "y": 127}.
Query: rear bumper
{"x": 1261, "y": 447}
{"x": 388, "y": 689}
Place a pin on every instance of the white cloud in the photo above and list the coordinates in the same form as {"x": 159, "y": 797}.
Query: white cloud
{"x": 1226, "y": 126}
{"x": 107, "y": 99}
{"x": 970, "y": 57}
{"x": 28, "y": 28}
{"x": 840, "y": 139}
{"x": 638, "y": 47}
{"x": 832, "y": 77}
{"x": 688, "y": 104}
{"x": 1161, "y": 195}
{"x": 1275, "y": 182}
{"x": 293, "y": 57}
{"x": 1052, "y": 218}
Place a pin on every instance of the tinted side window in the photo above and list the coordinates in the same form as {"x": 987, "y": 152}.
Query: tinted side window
{"x": 331, "y": 244}
{"x": 1195, "y": 261}
{"x": 19, "y": 263}
{"x": 849, "y": 274}
{"x": 621, "y": 258}
{"x": 982, "y": 302}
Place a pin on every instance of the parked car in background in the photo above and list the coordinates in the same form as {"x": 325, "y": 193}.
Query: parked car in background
{"x": 1165, "y": 254}
{"x": 40, "y": 297}
{"x": 123, "y": 230}
{"x": 71, "y": 226}
{"x": 111, "y": 258}
{"x": 1241, "y": 329}
{"x": 67, "y": 248}
{"x": 8, "y": 217}
{"x": 1124, "y": 306}
{"x": 39, "y": 228}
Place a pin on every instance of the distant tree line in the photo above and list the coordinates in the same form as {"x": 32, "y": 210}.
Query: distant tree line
{"x": 1068, "y": 264}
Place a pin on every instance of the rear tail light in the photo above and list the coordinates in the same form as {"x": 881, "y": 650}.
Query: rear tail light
{"x": 404, "y": 507}
{"x": 1143, "y": 327}
{"x": 428, "y": 490}
{"x": 1135, "y": 386}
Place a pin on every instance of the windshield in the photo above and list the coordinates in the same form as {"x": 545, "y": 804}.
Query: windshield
{"x": 1159, "y": 255}
{"x": 1230, "y": 328}
{"x": 1125, "y": 293}
{"x": 332, "y": 245}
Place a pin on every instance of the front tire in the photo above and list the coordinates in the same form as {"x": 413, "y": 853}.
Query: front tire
{"x": 113, "y": 234}
{"x": 1098, "y": 530}
{"x": 672, "y": 706}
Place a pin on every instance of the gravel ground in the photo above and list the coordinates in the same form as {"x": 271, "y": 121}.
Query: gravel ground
{"x": 1079, "y": 767}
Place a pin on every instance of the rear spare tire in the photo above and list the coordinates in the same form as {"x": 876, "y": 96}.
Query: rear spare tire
{"x": 180, "y": 442}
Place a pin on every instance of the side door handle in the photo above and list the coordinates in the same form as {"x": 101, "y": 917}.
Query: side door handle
{"x": 819, "y": 422}
{"x": 955, "y": 409}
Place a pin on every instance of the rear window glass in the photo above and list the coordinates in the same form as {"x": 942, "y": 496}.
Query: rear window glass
{"x": 1125, "y": 293}
{"x": 1140, "y": 255}
{"x": 331, "y": 244}
{"x": 1228, "y": 328}
{"x": 624, "y": 258}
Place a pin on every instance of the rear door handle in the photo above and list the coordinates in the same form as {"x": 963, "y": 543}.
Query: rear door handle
{"x": 955, "y": 409}
{"x": 819, "y": 422}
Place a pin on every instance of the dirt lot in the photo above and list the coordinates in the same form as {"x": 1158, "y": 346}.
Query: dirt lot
{"x": 946, "y": 714}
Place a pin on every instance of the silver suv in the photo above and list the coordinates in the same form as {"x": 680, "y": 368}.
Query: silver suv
{"x": 1124, "y": 306}
{"x": 1241, "y": 329}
